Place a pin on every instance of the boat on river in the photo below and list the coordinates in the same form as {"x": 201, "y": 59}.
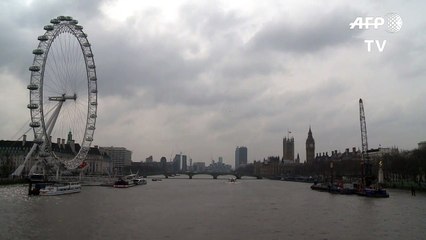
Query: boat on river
{"x": 232, "y": 180}
{"x": 348, "y": 189}
{"x": 129, "y": 181}
{"x": 322, "y": 187}
{"x": 60, "y": 189}
{"x": 373, "y": 193}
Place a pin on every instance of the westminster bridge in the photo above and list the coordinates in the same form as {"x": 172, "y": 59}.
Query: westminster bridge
{"x": 190, "y": 175}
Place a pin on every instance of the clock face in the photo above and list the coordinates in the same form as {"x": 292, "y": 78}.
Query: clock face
{"x": 311, "y": 145}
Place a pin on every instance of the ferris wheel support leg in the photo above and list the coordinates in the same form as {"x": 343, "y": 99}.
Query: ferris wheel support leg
{"x": 52, "y": 121}
{"x": 57, "y": 173}
{"x": 21, "y": 167}
{"x": 33, "y": 168}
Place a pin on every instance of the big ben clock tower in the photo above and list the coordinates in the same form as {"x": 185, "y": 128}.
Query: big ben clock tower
{"x": 310, "y": 147}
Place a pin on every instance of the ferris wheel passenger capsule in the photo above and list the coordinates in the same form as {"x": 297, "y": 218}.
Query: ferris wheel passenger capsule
{"x": 55, "y": 21}
{"x": 32, "y": 106}
{"x": 38, "y": 51}
{"x": 48, "y": 27}
{"x": 34, "y": 68}
{"x": 43, "y": 38}
{"x": 32, "y": 86}
{"x": 34, "y": 124}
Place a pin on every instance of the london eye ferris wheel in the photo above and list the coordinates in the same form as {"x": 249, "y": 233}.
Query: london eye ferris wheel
{"x": 63, "y": 91}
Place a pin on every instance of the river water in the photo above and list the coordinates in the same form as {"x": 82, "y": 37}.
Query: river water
{"x": 210, "y": 209}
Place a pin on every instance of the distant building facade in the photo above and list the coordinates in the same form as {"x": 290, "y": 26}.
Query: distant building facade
{"x": 199, "y": 167}
{"x": 422, "y": 145}
{"x": 180, "y": 163}
{"x": 354, "y": 155}
{"x": 120, "y": 157}
{"x": 98, "y": 163}
{"x": 297, "y": 159}
{"x": 288, "y": 149}
{"x": 310, "y": 147}
{"x": 240, "y": 157}
{"x": 13, "y": 153}
{"x": 184, "y": 163}
{"x": 270, "y": 167}
{"x": 219, "y": 167}
{"x": 378, "y": 153}
{"x": 149, "y": 159}
{"x": 177, "y": 163}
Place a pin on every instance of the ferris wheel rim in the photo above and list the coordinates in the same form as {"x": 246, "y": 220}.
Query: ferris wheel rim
{"x": 58, "y": 26}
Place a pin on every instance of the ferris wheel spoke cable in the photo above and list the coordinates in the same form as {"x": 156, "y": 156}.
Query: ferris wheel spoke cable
{"x": 56, "y": 68}
{"x": 76, "y": 66}
{"x": 71, "y": 64}
{"x": 52, "y": 75}
{"x": 17, "y": 135}
{"x": 64, "y": 68}
{"x": 60, "y": 66}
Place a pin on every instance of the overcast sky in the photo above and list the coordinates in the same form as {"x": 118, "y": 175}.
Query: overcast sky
{"x": 203, "y": 77}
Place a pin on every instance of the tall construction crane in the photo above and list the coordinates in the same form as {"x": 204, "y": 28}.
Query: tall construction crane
{"x": 364, "y": 141}
{"x": 365, "y": 161}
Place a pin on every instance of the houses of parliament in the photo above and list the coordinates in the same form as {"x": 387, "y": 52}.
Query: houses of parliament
{"x": 288, "y": 149}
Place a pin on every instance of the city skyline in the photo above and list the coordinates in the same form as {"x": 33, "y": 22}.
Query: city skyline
{"x": 204, "y": 77}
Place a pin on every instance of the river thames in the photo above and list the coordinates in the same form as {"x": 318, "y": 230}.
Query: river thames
{"x": 210, "y": 209}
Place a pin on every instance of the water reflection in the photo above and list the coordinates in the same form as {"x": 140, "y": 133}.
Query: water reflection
{"x": 211, "y": 209}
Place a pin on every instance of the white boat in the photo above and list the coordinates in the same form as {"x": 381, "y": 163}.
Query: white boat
{"x": 60, "y": 189}
{"x": 232, "y": 180}
{"x": 129, "y": 181}
{"x": 139, "y": 181}
{"x": 121, "y": 183}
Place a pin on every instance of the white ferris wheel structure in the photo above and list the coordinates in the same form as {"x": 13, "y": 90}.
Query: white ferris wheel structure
{"x": 63, "y": 95}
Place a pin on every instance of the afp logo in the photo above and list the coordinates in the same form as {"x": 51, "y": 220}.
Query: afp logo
{"x": 393, "y": 22}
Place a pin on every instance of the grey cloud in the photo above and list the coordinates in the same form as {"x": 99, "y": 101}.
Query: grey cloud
{"x": 21, "y": 24}
{"x": 156, "y": 63}
{"x": 210, "y": 21}
{"x": 322, "y": 31}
